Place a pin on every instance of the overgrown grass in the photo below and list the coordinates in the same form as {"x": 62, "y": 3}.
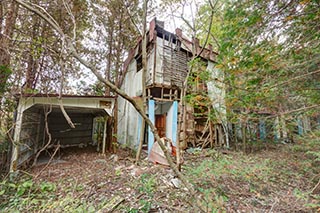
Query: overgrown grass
{"x": 260, "y": 178}
{"x": 146, "y": 186}
{"x": 282, "y": 179}
{"x": 26, "y": 195}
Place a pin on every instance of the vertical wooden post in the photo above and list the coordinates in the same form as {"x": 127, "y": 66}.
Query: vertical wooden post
{"x": 104, "y": 135}
{"x": 184, "y": 125}
{"x": 175, "y": 133}
{"x": 211, "y": 134}
{"x": 175, "y": 123}
{"x": 16, "y": 138}
{"x": 210, "y": 130}
{"x": 300, "y": 126}
{"x": 216, "y": 135}
{"x": 36, "y": 146}
{"x": 244, "y": 136}
{"x": 180, "y": 118}
{"x": 220, "y": 132}
{"x": 262, "y": 129}
{"x": 277, "y": 132}
{"x": 235, "y": 133}
{"x": 115, "y": 127}
{"x": 139, "y": 137}
{"x": 152, "y": 118}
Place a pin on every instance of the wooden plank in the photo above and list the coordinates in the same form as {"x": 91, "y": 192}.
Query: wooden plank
{"x": 104, "y": 136}
{"x": 112, "y": 204}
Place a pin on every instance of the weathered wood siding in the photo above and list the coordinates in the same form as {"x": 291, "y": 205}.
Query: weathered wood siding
{"x": 172, "y": 63}
{"x": 62, "y": 133}
{"x": 30, "y": 135}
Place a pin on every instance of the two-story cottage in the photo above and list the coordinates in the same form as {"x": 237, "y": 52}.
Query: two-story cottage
{"x": 168, "y": 55}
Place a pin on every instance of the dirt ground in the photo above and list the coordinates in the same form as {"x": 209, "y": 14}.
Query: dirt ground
{"x": 273, "y": 180}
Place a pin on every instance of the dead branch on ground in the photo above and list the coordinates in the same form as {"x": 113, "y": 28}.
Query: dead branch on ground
{"x": 49, "y": 136}
{"x": 49, "y": 162}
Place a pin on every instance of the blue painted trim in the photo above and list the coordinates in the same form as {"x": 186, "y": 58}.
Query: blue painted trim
{"x": 275, "y": 129}
{"x": 262, "y": 128}
{"x": 152, "y": 118}
{"x": 300, "y": 127}
{"x": 139, "y": 130}
{"x": 175, "y": 123}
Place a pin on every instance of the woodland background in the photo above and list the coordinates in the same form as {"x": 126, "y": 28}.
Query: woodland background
{"x": 269, "y": 52}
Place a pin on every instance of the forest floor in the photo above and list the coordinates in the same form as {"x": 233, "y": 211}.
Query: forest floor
{"x": 276, "y": 178}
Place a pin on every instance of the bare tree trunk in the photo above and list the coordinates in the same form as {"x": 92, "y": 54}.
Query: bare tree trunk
{"x": 32, "y": 58}
{"x": 109, "y": 58}
{"x": 5, "y": 36}
{"x": 6, "y": 31}
{"x": 144, "y": 72}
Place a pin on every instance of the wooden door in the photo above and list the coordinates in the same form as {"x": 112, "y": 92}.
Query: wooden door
{"x": 161, "y": 125}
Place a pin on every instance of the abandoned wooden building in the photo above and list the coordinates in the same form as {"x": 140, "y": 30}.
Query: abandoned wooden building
{"x": 168, "y": 55}
{"x": 40, "y": 120}
{"x": 170, "y": 82}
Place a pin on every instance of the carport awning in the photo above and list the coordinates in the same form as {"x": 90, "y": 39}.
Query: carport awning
{"x": 70, "y": 102}
{"x": 68, "y": 109}
{"x": 30, "y": 120}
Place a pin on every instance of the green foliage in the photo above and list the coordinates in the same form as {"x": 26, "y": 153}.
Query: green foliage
{"x": 147, "y": 184}
{"x": 262, "y": 44}
{"x": 25, "y": 194}
{"x": 5, "y": 72}
{"x": 258, "y": 176}
{"x": 197, "y": 93}
{"x": 310, "y": 146}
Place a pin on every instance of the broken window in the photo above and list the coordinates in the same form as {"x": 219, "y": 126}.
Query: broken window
{"x": 139, "y": 62}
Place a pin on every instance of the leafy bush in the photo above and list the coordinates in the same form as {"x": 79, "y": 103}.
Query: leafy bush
{"x": 25, "y": 194}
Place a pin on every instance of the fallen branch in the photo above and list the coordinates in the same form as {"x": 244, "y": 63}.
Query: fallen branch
{"x": 49, "y": 136}
{"x": 316, "y": 188}
{"x": 174, "y": 209}
{"x": 46, "y": 166}
{"x": 112, "y": 204}
{"x": 65, "y": 114}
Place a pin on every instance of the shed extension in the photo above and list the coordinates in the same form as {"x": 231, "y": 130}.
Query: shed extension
{"x": 33, "y": 111}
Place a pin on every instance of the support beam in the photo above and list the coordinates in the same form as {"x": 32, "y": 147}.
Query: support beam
{"x": 104, "y": 135}
{"x": 139, "y": 130}
{"x": 16, "y": 138}
{"x": 300, "y": 126}
{"x": 151, "y": 112}
{"x": 277, "y": 133}
{"x": 262, "y": 129}
{"x": 175, "y": 123}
